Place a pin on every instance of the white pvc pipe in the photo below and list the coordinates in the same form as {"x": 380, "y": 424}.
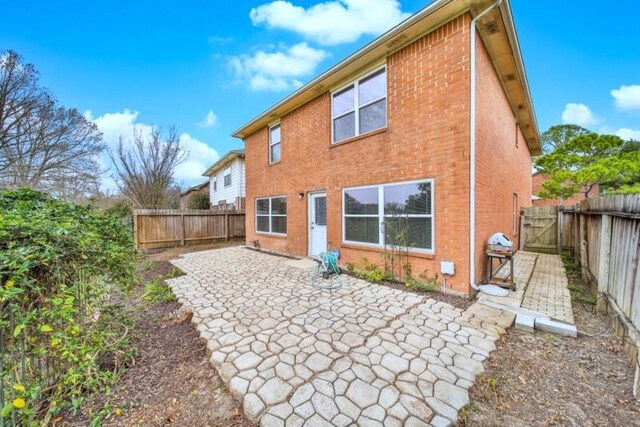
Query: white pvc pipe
{"x": 472, "y": 150}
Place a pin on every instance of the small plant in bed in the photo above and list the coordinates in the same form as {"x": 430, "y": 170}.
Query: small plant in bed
{"x": 157, "y": 291}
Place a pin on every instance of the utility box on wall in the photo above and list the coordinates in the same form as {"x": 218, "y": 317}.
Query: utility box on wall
{"x": 447, "y": 267}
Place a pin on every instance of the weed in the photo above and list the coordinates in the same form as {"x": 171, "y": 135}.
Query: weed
{"x": 351, "y": 267}
{"x": 416, "y": 285}
{"x": 156, "y": 291}
{"x": 492, "y": 383}
{"x": 174, "y": 272}
{"x": 147, "y": 265}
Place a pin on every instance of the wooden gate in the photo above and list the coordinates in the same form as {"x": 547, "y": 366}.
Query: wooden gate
{"x": 540, "y": 229}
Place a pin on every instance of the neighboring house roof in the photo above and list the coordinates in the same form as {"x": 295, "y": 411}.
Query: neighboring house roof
{"x": 194, "y": 188}
{"x": 498, "y": 34}
{"x": 231, "y": 155}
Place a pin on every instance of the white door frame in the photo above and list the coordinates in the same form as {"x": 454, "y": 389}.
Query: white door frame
{"x": 310, "y": 214}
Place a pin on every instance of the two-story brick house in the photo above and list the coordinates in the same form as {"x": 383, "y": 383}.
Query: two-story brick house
{"x": 430, "y": 126}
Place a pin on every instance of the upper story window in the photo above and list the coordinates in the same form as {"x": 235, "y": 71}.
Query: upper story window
{"x": 215, "y": 184}
{"x": 360, "y": 107}
{"x": 227, "y": 177}
{"x": 274, "y": 144}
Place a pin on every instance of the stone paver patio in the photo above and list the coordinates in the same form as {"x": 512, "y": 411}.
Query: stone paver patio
{"x": 363, "y": 354}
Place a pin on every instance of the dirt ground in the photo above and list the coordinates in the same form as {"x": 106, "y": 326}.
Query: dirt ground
{"x": 542, "y": 379}
{"x": 171, "y": 382}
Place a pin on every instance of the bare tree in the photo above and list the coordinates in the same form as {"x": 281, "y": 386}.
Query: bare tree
{"x": 20, "y": 95}
{"x": 144, "y": 167}
{"x": 43, "y": 145}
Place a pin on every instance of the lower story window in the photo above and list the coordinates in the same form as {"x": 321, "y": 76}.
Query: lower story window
{"x": 271, "y": 215}
{"x": 391, "y": 214}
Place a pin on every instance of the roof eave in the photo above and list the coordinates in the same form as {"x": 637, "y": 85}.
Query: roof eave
{"x": 231, "y": 155}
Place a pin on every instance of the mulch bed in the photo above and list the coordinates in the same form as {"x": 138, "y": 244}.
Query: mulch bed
{"x": 542, "y": 379}
{"x": 454, "y": 300}
{"x": 171, "y": 382}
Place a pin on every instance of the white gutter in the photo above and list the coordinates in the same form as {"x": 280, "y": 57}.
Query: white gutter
{"x": 472, "y": 150}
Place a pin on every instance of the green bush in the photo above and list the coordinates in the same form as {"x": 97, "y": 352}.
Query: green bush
{"x": 198, "y": 200}
{"x": 120, "y": 209}
{"x": 58, "y": 264}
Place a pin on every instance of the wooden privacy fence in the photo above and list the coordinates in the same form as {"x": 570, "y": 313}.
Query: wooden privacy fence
{"x": 604, "y": 234}
{"x": 162, "y": 228}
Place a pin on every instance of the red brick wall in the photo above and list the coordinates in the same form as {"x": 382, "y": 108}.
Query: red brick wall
{"x": 502, "y": 167}
{"x": 541, "y": 178}
{"x": 427, "y": 136}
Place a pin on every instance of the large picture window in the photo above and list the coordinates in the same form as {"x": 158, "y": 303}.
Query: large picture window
{"x": 360, "y": 107}
{"x": 275, "y": 144}
{"x": 271, "y": 215}
{"x": 390, "y": 214}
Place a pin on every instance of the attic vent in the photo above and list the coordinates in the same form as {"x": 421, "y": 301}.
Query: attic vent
{"x": 397, "y": 41}
{"x": 509, "y": 77}
{"x": 491, "y": 27}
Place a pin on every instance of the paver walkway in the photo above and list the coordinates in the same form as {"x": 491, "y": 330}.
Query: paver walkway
{"x": 541, "y": 286}
{"x": 363, "y": 354}
{"x": 547, "y": 292}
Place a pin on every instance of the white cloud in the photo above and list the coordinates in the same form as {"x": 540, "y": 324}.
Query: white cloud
{"x": 578, "y": 114}
{"x": 626, "y": 134}
{"x": 210, "y": 120}
{"x": 279, "y": 70}
{"x": 114, "y": 125}
{"x": 627, "y": 97}
{"x": 331, "y": 22}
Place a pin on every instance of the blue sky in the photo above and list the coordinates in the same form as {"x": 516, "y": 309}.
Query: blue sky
{"x": 209, "y": 69}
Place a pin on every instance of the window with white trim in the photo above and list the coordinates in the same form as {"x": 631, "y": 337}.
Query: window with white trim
{"x": 275, "y": 140}
{"x": 215, "y": 184}
{"x": 360, "y": 107}
{"x": 227, "y": 177}
{"x": 390, "y": 214}
{"x": 271, "y": 215}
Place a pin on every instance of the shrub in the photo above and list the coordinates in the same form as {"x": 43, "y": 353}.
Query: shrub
{"x": 58, "y": 264}
{"x": 198, "y": 200}
{"x": 120, "y": 209}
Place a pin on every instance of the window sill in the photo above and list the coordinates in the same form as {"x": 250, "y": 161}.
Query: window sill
{"x": 358, "y": 137}
{"x": 274, "y": 163}
{"x": 414, "y": 253}
{"x": 277, "y": 236}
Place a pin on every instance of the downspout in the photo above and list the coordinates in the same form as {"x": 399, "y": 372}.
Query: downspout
{"x": 472, "y": 149}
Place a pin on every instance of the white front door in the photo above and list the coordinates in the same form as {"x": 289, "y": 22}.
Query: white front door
{"x": 317, "y": 223}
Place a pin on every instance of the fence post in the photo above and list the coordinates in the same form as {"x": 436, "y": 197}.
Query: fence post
{"x": 584, "y": 257}
{"x": 604, "y": 258}
{"x": 226, "y": 226}
{"x": 560, "y": 220}
{"x": 182, "y": 229}
{"x": 135, "y": 229}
